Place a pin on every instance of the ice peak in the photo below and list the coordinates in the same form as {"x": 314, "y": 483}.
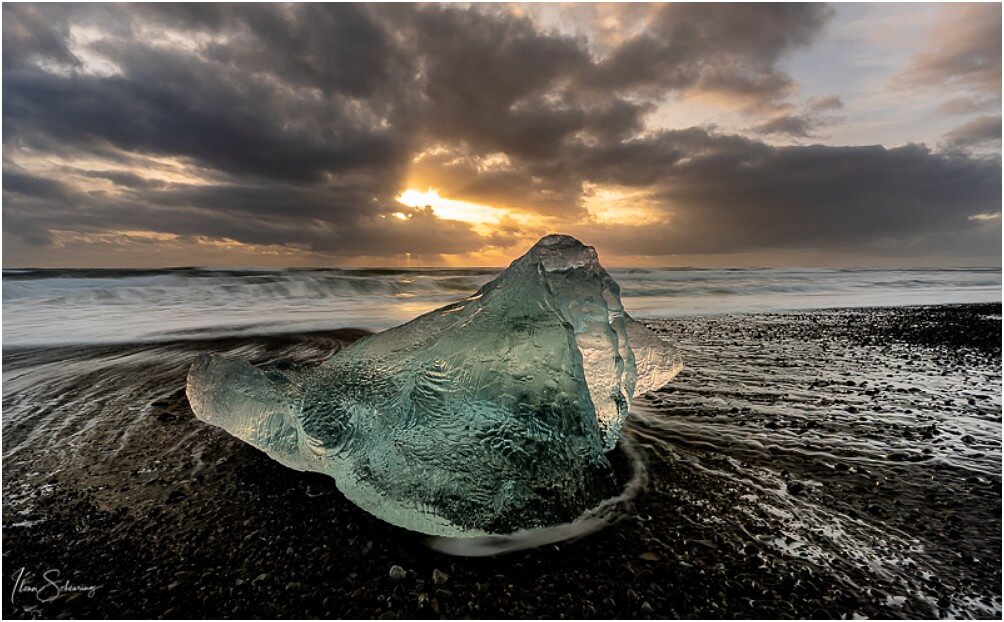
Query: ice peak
{"x": 557, "y": 252}
{"x": 558, "y": 239}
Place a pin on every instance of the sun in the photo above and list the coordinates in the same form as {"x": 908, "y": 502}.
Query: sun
{"x": 484, "y": 219}
{"x": 452, "y": 209}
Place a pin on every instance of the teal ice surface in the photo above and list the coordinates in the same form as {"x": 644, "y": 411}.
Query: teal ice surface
{"x": 485, "y": 416}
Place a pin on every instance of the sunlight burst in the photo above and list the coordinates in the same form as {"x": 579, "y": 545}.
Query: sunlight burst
{"x": 452, "y": 209}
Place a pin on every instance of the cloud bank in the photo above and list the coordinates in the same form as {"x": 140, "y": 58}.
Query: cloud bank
{"x": 282, "y": 134}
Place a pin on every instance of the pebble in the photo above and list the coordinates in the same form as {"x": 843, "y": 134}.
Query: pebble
{"x": 439, "y": 577}
{"x": 397, "y": 573}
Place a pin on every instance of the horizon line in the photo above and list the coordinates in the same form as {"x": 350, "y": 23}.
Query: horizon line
{"x": 497, "y": 267}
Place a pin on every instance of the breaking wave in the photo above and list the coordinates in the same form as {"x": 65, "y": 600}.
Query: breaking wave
{"x": 61, "y": 306}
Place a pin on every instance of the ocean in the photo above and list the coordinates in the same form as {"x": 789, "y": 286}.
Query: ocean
{"x": 64, "y": 306}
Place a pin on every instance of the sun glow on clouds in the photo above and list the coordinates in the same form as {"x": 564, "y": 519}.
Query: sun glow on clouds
{"x": 986, "y": 217}
{"x": 85, "y": 171}
{"x": 483, "y": 218}
{"x": 604, "y": 204}
{"x": 450, "y": 209}
{"x": 614, "y": 204}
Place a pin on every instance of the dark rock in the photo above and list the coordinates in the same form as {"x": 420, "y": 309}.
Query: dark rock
{"x": 397, "y": 573}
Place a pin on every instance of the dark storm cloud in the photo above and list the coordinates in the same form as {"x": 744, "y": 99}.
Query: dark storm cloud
{"x": 979, "y": 131}
{"x": 24, "y": 184}
{"x": 296, "y": 125}
{"x": 828, "y": 197}
{"x": 125, "y": 179}
{"x": 725, "y": 193}
{"x": 964, "y": 50}
{"x": 167, "y": 106}
{"x": 802, "y": 124}
{"x": 830, "y": 102}
{"x": 789, "y": 125}
{"x": 727, "y": 49}
{"x": 967, "y": 105}
{"x": 732, "y": 194}
{"x": 338, "y": 49}
{"x": 495, "y": 83}
{"x": 33, "y": 32}
{"x": 257, "y": 215}
{"x": 963, "y": 56}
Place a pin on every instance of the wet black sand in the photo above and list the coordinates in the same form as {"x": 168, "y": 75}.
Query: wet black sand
{"x": 823, "y": 464}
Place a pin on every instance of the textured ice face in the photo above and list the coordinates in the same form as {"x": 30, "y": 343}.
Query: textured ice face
{"x": 485, "y": 416}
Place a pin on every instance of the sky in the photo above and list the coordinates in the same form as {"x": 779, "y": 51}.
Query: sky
{"x": 857, "y": 135}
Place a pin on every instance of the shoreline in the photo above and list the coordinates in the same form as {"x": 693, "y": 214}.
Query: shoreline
{"x": 225, "y": 340}
{"x": 766, "y": 462}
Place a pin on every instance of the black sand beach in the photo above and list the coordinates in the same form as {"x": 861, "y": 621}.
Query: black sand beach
{"x": 823, "y": 464}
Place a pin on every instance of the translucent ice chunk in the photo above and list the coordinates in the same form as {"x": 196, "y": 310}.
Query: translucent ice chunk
{"x": 486, "y": 416}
